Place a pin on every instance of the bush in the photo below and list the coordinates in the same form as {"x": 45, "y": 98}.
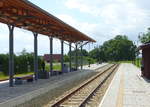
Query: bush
{"x": 22, "y": 64}
{"x": 4, "y": 63}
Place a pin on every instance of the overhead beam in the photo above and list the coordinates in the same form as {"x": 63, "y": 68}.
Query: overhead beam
{"x": 12, "y": 10}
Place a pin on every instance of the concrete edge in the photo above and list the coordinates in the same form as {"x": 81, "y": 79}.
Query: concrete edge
{"x": 24, "y": 98}
{"x": 109, "y": 87}
{"x": 28, "y": 96}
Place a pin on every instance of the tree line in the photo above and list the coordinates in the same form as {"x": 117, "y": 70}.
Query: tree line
{"x": 145, "y": 37}
{"x": 84, "y": 54}
{"x": 119, "y": 48}
{"x": 23, "y": 63}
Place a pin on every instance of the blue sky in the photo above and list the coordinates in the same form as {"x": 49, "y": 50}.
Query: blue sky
{"x": 99, "y": 19}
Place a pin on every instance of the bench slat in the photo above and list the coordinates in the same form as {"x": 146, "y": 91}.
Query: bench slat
{"x": 25, "y": 77}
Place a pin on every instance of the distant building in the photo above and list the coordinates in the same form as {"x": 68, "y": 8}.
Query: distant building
{"x": 56, "y": 57}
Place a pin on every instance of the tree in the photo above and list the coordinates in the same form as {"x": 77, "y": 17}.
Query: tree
{"x": 4, "y": 63}
{"x": 21, "y": 63}
{"x": 119, "y": 48}
{"x": 66, "y": 58}
{"x": 145, "y": 37}
{"x": 84, "y": 52}
{"x": 94, "y": 54}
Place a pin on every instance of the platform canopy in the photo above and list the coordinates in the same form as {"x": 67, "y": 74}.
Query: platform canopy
{"x": 26, "y": 15}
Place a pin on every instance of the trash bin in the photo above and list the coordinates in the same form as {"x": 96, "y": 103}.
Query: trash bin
{"x": 43, "y": 74}
{"x": 66, "y": 69}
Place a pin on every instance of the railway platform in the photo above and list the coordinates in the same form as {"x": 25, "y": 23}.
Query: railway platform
{"x": 127, "y": 89}
{"x": 44, "y": 89}
{"x": 93, "y": 66}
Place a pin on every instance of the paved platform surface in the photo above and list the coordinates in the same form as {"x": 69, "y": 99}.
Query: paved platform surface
{"x": 86, "y": 67}
{"x": 94, "y": 66}
{"x": 21, "y": 93}
{"x": 127, "y": 89}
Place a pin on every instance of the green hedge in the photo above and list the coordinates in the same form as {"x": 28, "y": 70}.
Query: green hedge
{"x": 137, "y": 62}
{"x": 22, "y": 64}
{"x": 4, "y": 63}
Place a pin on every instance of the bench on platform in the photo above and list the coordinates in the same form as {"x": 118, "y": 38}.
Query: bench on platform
{"x": 53, "y": 73}
{"x": 73, "y": 69}
{"x": 19, "y": 80}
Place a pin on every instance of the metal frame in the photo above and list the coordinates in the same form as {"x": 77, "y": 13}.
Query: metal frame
{"x": 24, "y": 14}
{"x": 76, "y": 56}
{"x": 62, "y": 55}
{"x": 81, "y": 58}
{"x": 11, "y": 55}
{"x": 21, "y": 13}
{"x": 35, "y": 55}
{"x": 70, "y": 64}
{"x": 51, "y": 55}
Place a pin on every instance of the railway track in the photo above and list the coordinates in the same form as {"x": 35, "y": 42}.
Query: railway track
{"x": 84, "y": 94}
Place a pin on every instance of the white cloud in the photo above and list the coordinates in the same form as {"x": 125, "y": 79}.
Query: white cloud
{"x": 94, "y": 30}
{"x": 115, "y": 16}
{"x": 84, "y": 27}
{"x": 83, "y": 6}
{"x": 24, "y": 39}
{"x": 112, "y": 17}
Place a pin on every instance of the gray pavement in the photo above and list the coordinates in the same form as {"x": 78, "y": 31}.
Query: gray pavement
{"x": 94, "y": 66}
{"x": 127, "y": 89}
{"x": 4, "y": 83}
{"x": 10, "y": 96}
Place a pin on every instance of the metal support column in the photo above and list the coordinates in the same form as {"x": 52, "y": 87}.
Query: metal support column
{"x": 62, "y": 55}
{"x": 81, "y": 58}
{"x": 11, "y": 55}
{"x": 51, "y": 55}
{"x": 35, "y": 56}
{"x": 70, "y": 56}
{"x": 76, "y": 59}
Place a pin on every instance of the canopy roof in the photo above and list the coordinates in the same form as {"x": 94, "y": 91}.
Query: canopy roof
{"x": 144, "y": 46}
{"x": 26, "y": 15}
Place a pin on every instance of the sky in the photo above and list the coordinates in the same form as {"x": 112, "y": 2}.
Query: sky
{"x": 99, "y": 19}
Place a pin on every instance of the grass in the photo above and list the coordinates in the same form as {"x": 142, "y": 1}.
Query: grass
{"x": 136, "y": 62}
{"x": 56, "y": 67}
{"x": 3, "y": 77}
{"x": 125, "y": 61}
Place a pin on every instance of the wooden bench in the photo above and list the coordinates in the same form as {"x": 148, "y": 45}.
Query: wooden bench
{"x": 19, "y": 80}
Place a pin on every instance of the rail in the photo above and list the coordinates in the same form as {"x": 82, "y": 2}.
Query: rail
{"x": 85, "y": 97}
